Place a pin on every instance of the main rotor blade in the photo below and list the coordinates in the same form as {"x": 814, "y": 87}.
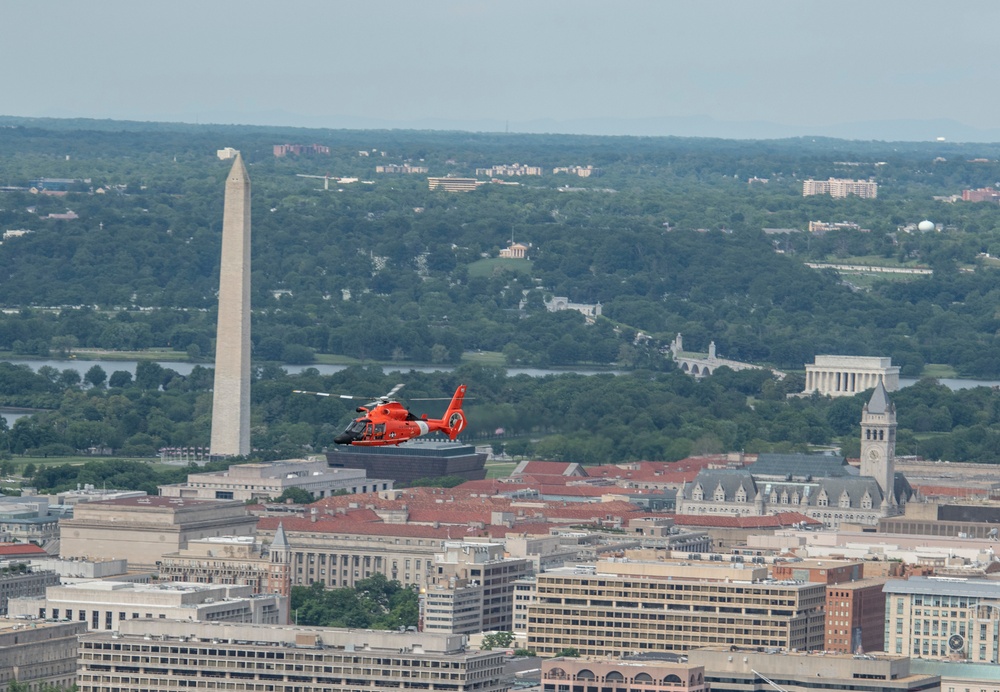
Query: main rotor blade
{"x": 335, "y": 396}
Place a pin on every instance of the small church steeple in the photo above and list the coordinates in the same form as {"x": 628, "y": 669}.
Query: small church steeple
{"x": 280, "y": 571}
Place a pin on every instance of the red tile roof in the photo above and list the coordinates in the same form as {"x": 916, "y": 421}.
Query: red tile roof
{"x": 547, "y": 468}
{"x": 358, "y": 528}
{"x": 9, "y": 549}
{"x": 950, "y": 491}
{"x": 770, "y": 521}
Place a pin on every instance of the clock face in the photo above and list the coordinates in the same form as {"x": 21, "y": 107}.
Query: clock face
{"x": 955, "y": 642}
{"x": 874, "y": 454}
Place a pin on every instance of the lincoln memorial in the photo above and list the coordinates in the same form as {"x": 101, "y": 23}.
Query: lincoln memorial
{"x": 848, "y": 375}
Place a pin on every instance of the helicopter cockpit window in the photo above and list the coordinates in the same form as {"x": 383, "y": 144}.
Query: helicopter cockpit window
{"x": 357, "y": 426}
{"x": 379, "y": 428}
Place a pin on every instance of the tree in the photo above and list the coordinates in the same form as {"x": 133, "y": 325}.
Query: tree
{"x": 95, "y": 376}
{"x": 148, "y": 374}
{"x": 298, "y": 496}
{"x": 497, "y": 640}
{"x": 120, "y": 379}
{"x": 69, "y": 378}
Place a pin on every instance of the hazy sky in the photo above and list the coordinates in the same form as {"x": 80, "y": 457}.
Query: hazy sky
{"x": 546, "y": 64}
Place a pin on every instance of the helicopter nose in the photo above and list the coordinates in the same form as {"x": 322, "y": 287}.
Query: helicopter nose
{"x": 343, "y": 439}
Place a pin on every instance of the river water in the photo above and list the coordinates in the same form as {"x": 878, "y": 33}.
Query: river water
{"x": 184, "y": 368}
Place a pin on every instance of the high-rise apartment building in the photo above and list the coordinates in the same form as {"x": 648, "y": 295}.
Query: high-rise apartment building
{"x": 840, "y": 187}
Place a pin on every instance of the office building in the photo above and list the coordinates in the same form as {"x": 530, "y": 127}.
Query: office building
{"x": 742, "y": 670}
{"x": 105, "y": 605}
{"x": 287, "y": 659}
{"x": 452, "y": 184}
{"x": 340, "y": 552}
{"x": 649, "y": 673}
{"x": 855, "y": 616}
{"x": 239, "y": 560}
{"x": 261, "y": 481}
{"x": 38, "y": 654}
{"x": 620, "y": 606}
{"x": 414, "y": 460}
{"x": 19, "y": 579}
{"x": 943, "y": 617}
{"x": 142, "y": 529}
{"x": 471, "y": 589}
{"x": 983, "y": 194}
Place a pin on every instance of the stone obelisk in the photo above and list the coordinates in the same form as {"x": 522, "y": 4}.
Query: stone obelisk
{"x": 231, "y": 397}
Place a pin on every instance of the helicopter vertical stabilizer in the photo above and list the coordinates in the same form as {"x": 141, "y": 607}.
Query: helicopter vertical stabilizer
{"x": 454, "y": 417}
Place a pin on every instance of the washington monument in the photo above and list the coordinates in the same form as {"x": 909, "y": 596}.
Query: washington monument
{"x": 231, "y": 398}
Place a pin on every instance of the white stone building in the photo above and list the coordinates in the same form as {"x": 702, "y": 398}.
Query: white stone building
{"x": 252, "y": 482}
{"x": 849, "y": 375}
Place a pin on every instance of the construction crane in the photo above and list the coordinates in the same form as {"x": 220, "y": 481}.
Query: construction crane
{"x": 326, "y": 179}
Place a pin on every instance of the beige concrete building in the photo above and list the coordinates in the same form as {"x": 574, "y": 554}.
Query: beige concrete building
{"x": 38, "y": 654}
{"x": 105, "y": 605}
{"x": 620, "y": 607}
{"x": 238, "y": 560}
{"x": 850, "y": 375}
{"x": 142, "y": 529}
{"x": 471, "y": 589}
{"x": 88, "y": 570}
{"x": 646, "y": 673}
{"x": 268, "y": 658}
{"x": 744, "y": 670}
{"x": 253, "y": 482}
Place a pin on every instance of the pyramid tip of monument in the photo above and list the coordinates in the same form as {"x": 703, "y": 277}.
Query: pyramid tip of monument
{"x": 239, "y": 169}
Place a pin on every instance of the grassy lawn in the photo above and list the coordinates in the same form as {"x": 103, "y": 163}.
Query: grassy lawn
{"x": 484, "y": 358}
{"x": 865, "y": 282}
{"x": 873, "y": 261}
{"x": 500, "y": 469}
{"x": 20, "y": 462}
{"x": 164, "y": 354}
{"x": 487, "y": 267}
{"x": 938, "y": 370}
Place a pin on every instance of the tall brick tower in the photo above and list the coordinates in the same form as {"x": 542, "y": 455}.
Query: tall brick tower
{"x": 231, "y": 398}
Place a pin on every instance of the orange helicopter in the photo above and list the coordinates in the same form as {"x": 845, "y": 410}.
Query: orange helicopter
{"x": 387, "y": 422}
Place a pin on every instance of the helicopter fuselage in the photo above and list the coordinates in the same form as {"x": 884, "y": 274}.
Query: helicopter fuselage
{"x": 392, "y": 423}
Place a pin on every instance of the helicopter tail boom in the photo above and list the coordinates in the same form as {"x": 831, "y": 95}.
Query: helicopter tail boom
{"x": 454, "y": 417}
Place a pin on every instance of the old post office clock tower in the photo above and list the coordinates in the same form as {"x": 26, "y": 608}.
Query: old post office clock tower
{"x": 878, "y": 443}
